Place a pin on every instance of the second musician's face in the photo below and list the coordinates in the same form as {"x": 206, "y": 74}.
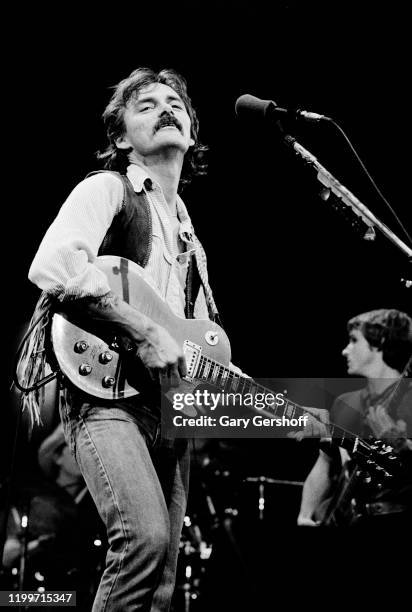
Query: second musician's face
{"x": 155, "y": 122}
{"x": 359, "y": 355}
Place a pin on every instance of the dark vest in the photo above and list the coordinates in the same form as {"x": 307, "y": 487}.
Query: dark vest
{"x": 130, "y": 236}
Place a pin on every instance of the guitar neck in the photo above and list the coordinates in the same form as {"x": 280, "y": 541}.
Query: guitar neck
{"x": 228, "y": 381}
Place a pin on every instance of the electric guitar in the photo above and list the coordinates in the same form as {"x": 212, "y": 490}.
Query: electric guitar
{"x": 101, "y": 368}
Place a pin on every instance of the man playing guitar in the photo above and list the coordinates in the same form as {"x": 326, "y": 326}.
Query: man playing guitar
{"x": 380, "y": 349}
{"x": 138, "y": 481}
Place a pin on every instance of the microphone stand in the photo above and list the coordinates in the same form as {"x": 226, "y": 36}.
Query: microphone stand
{"x": 330, "y": 183}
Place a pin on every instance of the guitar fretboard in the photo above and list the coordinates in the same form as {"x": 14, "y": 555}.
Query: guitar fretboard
{"x": 228, "y": 381}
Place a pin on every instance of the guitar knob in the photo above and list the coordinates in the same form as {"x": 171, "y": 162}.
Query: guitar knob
{"x": 81, "y": 346}
{"x": 105, "y": 357}
{"x": 212, "y": 338}
{"x": 108, "y": 381}
{"x": 85, "y": 369}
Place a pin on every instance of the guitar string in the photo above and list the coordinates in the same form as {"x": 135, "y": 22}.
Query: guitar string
{"x": 344, "y": 433}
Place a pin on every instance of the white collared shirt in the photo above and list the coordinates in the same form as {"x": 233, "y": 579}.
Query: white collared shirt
{"x": 64, "y": 263}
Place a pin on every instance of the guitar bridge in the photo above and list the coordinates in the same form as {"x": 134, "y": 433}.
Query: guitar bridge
{"x": 192, "y": 353}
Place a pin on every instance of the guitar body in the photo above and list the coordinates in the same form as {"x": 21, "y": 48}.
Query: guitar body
{"x": 98, "y": 367}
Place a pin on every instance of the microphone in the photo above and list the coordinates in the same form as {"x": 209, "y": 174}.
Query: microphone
{"x": 248, "y": 106}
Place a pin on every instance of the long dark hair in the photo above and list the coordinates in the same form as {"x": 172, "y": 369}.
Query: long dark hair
{"x": 117, "y": 159}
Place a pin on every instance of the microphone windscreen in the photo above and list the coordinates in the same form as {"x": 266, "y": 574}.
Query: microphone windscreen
{"x": 248, "y": 105}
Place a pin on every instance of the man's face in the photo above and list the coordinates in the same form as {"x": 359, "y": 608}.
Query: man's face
{"x": 156, "y": 120}
{"x": 360, "y": 356}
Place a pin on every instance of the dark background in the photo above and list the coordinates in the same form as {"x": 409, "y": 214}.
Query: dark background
{"x": 287, "y": 271}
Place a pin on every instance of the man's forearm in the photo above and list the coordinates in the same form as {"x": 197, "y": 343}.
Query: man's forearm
{"x": 111, "y": 313}
{"x": 315, "y": 488}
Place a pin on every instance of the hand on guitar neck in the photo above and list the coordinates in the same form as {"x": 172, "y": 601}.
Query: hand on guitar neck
{"x": 316, "y": 426}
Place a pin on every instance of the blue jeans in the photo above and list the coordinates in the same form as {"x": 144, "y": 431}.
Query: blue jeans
{"x": 139, "y": 484}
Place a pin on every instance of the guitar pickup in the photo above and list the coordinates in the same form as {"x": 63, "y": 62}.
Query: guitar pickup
{"x": 192, "y": 353}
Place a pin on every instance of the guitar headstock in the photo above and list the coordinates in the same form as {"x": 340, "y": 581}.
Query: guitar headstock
{"x": 379, "y": 460}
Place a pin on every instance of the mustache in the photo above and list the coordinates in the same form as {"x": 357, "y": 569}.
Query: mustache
{"x": 168, "y": 120}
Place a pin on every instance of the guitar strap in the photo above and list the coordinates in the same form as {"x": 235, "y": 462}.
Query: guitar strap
{"x": 201, "y": 268}
{"x": 390, "y": 397}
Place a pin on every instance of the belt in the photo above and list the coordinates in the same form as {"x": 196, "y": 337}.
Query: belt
{"x": 383, "y": 507}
